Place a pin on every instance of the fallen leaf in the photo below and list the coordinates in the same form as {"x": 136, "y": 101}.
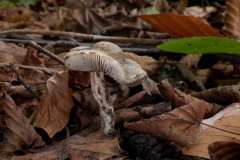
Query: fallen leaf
{"x": 55, "y": 152}
{"x": 86, "y": 100}
{"x": 95, "y": 146}
{"x": 187, "y": 26}
{"x": 220, "y": 94}
{"x": 227, "y": 120}
{"x": 18, "y": 135}
{"x": 31, "y": 75}
{"x": 81, "y": 79}
{"x": 129, "y": 101}
{"x": 178, "y": 98}
{"x": 149, "y": 64}
{"x": 221, "y": 150}
{"x": 232, "y": 19}
{"x": 55, "y": 105}
{"x": 203, "y": 75}
{"x": 12, "y": 49}
{"x": 24, "y": 16}
{"x": 31, "y": 59}
{"x": 179, "y": 126}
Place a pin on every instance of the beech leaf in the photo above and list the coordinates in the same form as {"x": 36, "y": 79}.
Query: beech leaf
{"x": 18, "y": 134}
{"x": 55, "y": 105}
{"x": 224, "y": 150}
{"x": 227, "y": 122}
{"x": 180, "y": 26}
{"x": 179, "y": 126}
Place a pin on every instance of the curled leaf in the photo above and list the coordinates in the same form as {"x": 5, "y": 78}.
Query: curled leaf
{"x": 55, "y": 105}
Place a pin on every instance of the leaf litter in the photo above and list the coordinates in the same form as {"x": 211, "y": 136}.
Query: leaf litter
{"x": 67, "y": 123}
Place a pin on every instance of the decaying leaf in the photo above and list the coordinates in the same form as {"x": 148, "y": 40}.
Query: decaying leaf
{"x": 221, "y": 150}
{"x": 149, "y": 64}
{"x": 191, "y": 60}
{"x": 95, "y": 146}
{"x": 220, "y": 94}
{"x": 203, "y": 75}
{"x": 232, "y": 19}
{"x": 227, "y": 120}
{"x": 55, "y": 105}
{"x": 18, "y": 135}
{"x": 14, "y": 50}
{"x": 81, "y": 79}
{"x": 188, "y": 26}
{"x": 179, "y": 126}
{"x": 178, "y": 98}
{"x": 129, "y": 101}
{"x": 86, "y": 100}
{"x": 58, "y": 151}
{"x": 31, "y": 59}
{"x": 31, "y": 75}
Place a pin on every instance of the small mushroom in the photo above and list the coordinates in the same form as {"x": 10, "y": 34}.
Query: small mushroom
{"x": 107, "y": 59}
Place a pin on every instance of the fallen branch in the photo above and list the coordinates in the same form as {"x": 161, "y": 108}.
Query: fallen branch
{"x": 46, "y": 52}
{"x": 20, "y": 79}
{"x": 83, "y": 36}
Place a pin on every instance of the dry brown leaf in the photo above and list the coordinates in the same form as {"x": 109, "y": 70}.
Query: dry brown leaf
{"x": 203, "y": 75}
{"x": 25, "y": 16}
{"x": 31, "y": 59}
{"x": 178, "y": 98}
{"x": 180, "y": 26}
{"x": 179, "y": 126}
{"x": 55, "y": 105}
{"x": 90, "y": 21}
{"x": 221, "y": 150}
{"x": 55, "y": 152}
{"x": 220, "y": 94}
{"x": 95, "y": 146}
{"x": 231, "y": 26}
{"x": 18, "y": 135}
{"x": 149, "y": 64}
{"x": 31, "y": 75}
{"x": 228, "y": 120}
{"x": 14, "y": 50}
{"x": 81, "y": 79}
{"x": 191, "y": 60}
{"x": 129, "y": 101}
{"x": 86, "y": 100}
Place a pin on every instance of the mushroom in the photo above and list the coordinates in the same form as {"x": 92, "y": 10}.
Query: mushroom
{"x": 105, "y": 58}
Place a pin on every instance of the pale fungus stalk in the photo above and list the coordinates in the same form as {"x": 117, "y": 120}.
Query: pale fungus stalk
{"x": 105, "y": 58}
{"x": 106, "y": 110}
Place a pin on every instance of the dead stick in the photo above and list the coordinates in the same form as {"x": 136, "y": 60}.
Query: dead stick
{"x": 33, "y": 67}
{"x": 83, "y": 36}
{"x": 20, "y": 79}
{"x": 46, "y": 52}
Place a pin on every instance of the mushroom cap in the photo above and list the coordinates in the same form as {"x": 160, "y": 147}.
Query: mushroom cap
{"x": 108, "y": 58}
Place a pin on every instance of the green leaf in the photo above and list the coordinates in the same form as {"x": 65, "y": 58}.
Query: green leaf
{"x": 28, "y": 2}
{"x": 202, "y": 45}
{"x": 7, "y": 4}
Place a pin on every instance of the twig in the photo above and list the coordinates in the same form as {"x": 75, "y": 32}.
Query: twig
{"x": 33, "y": 115}
{"x": 54, "y": 70}
{"x": 64, "y": 43}
{"x": 84, "y": 36}
{"x": 46, "y": 52}
{"x": 20, "y": 79}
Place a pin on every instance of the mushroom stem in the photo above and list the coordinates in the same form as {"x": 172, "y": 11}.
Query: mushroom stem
{"x": 102, "y": 97}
